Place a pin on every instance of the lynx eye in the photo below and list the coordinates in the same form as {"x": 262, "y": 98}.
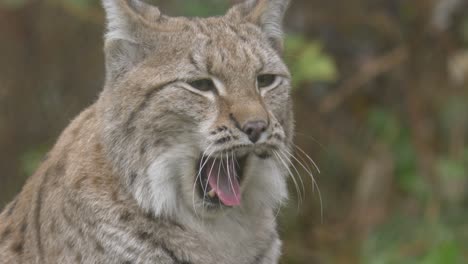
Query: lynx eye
{"x": 265, "y": 80}
{"x": 203, "y": 85}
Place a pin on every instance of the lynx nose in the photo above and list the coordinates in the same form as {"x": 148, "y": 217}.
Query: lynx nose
{"x": 254, "y": 129}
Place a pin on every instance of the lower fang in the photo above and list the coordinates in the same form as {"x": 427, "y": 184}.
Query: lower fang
{"x": 212, "y": 193}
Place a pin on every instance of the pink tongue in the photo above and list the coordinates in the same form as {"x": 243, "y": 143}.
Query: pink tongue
{"x": 225, "y": 183}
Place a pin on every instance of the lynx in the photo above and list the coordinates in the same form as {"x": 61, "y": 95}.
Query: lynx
{"x": 182, "y": 158}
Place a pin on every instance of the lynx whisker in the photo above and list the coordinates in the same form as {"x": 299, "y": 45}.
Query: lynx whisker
{"x": 197, "y": 178}
{"x": 280, "y": 205}
{"x": 207, "y": 181}
{"x": 292, "y": 177}
{"x": 233, "y": 169}
{"x": 286, "y": 157}
{"x": 314, "y": 181}
{"x": 308, "y": 157}
{"x": 307, "y": 136}
{"x": 304, "y": 166}
{"x": 217, "y": 180}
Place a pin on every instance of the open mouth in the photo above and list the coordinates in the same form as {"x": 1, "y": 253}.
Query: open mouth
{"x": 220, "y": 179}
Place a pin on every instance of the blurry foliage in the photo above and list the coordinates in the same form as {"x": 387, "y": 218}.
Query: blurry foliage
{"x": 464, "y": 30}
{"x": 308, "y": 61}
{"x": 385, "y": 125}
{"x": 406, "y": 171}
{"x": 204, "y": 8}
{"x": 389, "y": 130}
{"x": 31, "y": 159}
{"x": 13, "y": 4}
{"x": 408, "y": 241}
{"x": 405, "y": 240}
{"x": 451, "y": 112}
{"x": 452, "y": 169}
{"x": 83, "y": 4}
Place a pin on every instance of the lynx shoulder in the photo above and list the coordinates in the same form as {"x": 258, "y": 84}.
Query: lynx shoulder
{"x": 182, "y": 159}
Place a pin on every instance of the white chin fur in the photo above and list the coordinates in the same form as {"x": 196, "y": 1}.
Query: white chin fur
{"x": 159, "y": 193}
{"x": 265, "y": 184}
{"x": 168, "y": 189}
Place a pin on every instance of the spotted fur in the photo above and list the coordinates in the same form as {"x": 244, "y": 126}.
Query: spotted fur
{"x": 118, "y": 185}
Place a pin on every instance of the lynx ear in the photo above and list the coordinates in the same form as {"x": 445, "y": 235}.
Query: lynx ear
{"x": 267, "y": 14}
{"x": 128, "y": 22}
{"x": 125, "y": 17}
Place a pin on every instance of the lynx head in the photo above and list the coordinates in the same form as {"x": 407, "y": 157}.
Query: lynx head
{"x": 196, "y": 112}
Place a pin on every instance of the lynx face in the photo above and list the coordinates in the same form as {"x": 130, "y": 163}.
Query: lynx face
{"x": 197, "y": 111}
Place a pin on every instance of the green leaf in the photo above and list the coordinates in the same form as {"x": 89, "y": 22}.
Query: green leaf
{"x": 308, "y": 62}
{"x": 294, "y": 43}
{"x": 315, "y": 65}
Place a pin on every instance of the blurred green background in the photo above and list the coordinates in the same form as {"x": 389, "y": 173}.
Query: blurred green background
{"x": 381, "y": 101}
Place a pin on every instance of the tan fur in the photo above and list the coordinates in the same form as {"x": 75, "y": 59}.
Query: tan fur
{"x": 118, "y": 186}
